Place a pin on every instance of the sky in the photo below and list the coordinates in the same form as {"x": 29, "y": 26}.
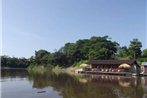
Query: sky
{"x": 29, "y": 25}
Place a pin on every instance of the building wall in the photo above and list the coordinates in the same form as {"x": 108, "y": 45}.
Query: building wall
{"x": 133, "y": 68}
{"x": 145, "y": 69}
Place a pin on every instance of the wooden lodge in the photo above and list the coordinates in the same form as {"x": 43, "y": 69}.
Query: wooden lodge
{"x": 119, "y": 67}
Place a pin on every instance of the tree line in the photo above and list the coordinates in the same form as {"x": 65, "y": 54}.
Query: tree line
{"x": 82, "y": 50}
{"x": 14, "y": 62}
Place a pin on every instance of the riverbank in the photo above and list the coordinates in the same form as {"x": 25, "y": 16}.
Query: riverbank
{"x": 12, "y": 68}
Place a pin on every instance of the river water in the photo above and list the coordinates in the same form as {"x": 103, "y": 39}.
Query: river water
{"x": 21, "y": 84}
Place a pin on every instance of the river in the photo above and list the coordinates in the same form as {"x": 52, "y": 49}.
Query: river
{"x": 21, "y": 84}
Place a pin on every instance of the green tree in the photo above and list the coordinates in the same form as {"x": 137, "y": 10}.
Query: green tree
{"x": 135, "y": 48}
{"x": 93, "y": 48}
{"x": 69, "y": 51}
{"x": 58, "y": 58}
{"x": 123, "y": 52}
{"x": 41, "y": 56}
{"x": 144, "y": 53}
{"x": 102, "y": 48}
{"x": 14, "y": 62}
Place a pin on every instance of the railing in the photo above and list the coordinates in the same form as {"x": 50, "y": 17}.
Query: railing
{"x": 106, "y": 70}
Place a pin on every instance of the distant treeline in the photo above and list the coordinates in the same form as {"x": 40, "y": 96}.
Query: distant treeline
{"x": 14, "y": 62}
{"x": 81, "y": 50}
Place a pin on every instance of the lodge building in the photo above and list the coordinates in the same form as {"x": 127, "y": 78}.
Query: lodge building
{"x": 114, "y": 66}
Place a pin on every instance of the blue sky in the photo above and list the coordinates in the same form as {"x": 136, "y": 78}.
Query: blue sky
{"x": 29, "y": 25}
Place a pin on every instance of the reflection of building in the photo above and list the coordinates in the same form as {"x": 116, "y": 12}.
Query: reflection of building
{"x": 122, "y": 81}
{"x": 114, "y": 66}
{"x": 144, "y": 67}
{"x": 144, "y": 81}
{"x": 144, "y": 85}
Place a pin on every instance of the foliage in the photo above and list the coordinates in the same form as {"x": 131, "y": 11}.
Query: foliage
{"x": 141, "y": 60}
{"x": 77, "y": 64}
{"x": 38, "y": 69}
{"x": 135, "y": 48}
{"x": 57, "y": 69}
{"x": 41, "y": 56}
{"x": 123, "y": 53}
{"x": 144, "y": 53}
{"x": 58, "y": 58}
{"x": 93, "y": 48}
{"x": 14, "y": 62}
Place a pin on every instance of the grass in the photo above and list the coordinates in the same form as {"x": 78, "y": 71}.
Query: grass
{"x": 38, "y": 69}
{"x": 58, "y": 70}
{"x": 41, "y": 69}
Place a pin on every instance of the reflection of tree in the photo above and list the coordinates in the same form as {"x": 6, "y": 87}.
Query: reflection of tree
{"x": 39, "y": 80}
{"x": 69, "y": 86}
{"x": 95, "y": 86}
{"x": 13, "y": 73}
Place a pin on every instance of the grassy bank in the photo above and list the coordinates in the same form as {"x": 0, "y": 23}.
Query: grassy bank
{"x": 41, "y": 69}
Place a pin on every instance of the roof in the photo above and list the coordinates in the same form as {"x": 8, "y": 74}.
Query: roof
{"x": 112, "y": 62}
{"x": 144, "y": 63}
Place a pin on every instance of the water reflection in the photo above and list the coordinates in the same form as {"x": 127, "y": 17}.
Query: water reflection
{"x": 10, "y": 75}
{"x": 115, "y": 80}
{"x": 85, "y": 86}
{"x": 122, "y": 86}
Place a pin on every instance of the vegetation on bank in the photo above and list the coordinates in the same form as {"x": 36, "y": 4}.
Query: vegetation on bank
{"x": 42, "y": 69}
{"x": 38, "y": 69}
{"x": 73, "y": 54}
{"x": 13, "y": 62}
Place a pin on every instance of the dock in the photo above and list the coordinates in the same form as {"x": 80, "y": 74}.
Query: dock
{"x": 108, "y": 73}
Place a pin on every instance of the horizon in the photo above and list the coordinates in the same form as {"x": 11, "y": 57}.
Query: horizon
{"x": 49, "y": 24}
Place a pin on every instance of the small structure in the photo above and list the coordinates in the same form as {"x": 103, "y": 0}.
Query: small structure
{"x": 144, "y": 67}
{"x": 85, "y": 65}
{"x": 115, "y": 66}
{"x": 82, "y": 67}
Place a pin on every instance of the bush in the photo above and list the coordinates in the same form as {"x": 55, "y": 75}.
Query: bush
{"x": 77, "y": 64}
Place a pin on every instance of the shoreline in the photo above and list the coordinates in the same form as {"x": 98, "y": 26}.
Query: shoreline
{"x": 2, "y": 68}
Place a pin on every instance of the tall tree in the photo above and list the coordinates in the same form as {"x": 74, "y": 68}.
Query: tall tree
{"x": 135, "y": 48}
{"x": 102, "y": 48}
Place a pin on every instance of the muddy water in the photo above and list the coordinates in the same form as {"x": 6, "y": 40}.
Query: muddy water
{"x": 21, "y": 84}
